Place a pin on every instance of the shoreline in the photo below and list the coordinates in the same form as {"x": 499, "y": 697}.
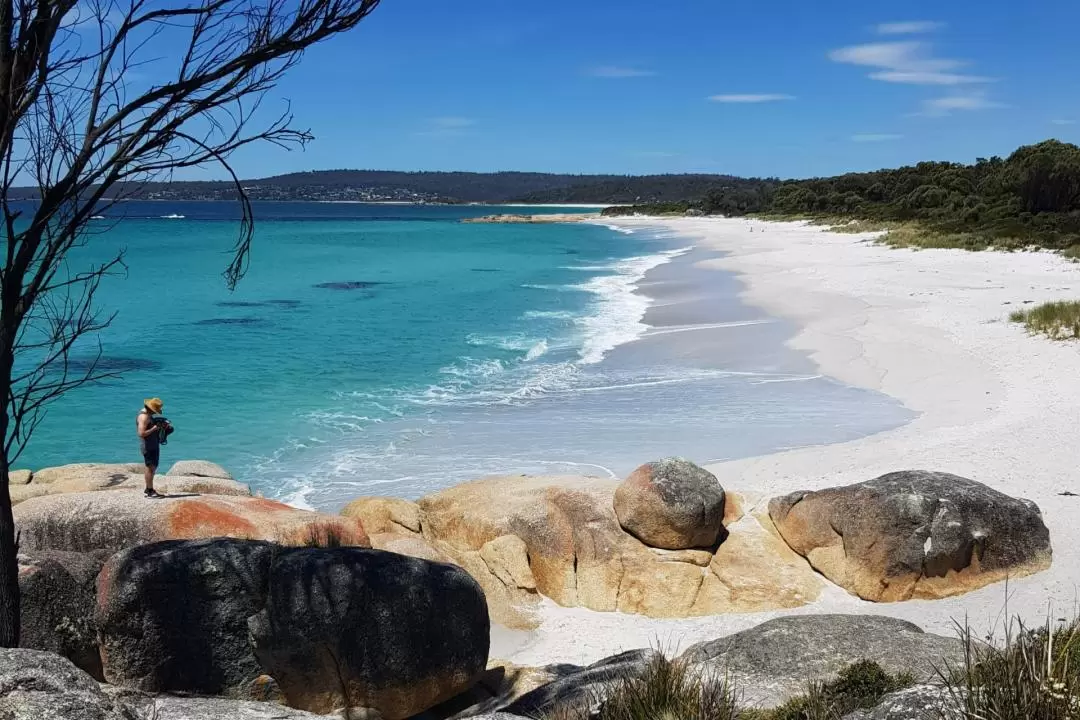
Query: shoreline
{"x": 929, "y": 329}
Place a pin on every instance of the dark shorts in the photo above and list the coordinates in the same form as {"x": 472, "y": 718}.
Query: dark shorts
{"x": 151, "y": 456}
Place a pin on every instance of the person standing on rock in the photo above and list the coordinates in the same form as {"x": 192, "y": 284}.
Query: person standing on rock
{"x": 149, "y": 430}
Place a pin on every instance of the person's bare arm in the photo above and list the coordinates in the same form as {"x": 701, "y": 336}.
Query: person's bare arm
{"x": 145, "y": 426}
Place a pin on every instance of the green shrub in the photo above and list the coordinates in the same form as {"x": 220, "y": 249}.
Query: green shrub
{"x": 858, "y": 686}
{"x": 1056, "y": 320}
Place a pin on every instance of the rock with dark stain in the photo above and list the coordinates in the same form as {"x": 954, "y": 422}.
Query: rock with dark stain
{"x": 914, "y": 534}
{"x": 57, "y": 595}
{"x": 371, "y": 630}
{"x": 172, "y": 616}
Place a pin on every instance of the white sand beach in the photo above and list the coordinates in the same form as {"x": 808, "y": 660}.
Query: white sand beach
{"x": 929, "y": 328}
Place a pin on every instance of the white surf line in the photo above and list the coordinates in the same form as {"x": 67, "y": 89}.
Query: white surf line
{"x": 704, "y": 326}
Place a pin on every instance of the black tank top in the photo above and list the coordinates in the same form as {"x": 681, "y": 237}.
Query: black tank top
{"x": 152, "y": 440}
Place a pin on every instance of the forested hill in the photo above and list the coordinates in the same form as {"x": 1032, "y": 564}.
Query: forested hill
{"x": 1030, "y": 197}
{"x": 452, "y": 187}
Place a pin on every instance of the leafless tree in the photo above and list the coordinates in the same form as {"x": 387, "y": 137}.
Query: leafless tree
{"x": 76, "y": 126}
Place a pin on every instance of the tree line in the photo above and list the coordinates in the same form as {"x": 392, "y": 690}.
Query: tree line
{"x": 1030, "y": 197}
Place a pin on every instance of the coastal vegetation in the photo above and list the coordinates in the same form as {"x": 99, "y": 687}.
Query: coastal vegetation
{"x": 1033, "y": 675}
{"x": 1031, "y": 198}
{"x": 1056, "y": 320}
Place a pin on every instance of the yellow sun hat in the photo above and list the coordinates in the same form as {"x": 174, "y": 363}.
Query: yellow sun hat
{"x": 154, "y": 405}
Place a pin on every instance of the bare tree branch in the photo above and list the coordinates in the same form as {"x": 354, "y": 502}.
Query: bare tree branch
{"x": 75, "y": 124}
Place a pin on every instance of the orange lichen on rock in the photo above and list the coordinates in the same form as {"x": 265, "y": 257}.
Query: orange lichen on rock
{"x": 202, "y": 518}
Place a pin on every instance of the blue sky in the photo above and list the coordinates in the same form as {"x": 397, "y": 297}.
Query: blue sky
{"x": 786, "y": 88}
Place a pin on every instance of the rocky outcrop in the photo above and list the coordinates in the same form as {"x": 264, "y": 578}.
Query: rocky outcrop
{"x": 671, "y": 504}
{"x": 84, "y": 522}
{"x": 20, "y": 477}
{"x": 165, "y": 707}
{"x": 198, "y": 468}
{"x": 914, "y": 534}
{"x": 918, "y": 702}
{"x": 37, "y": 685}
{"x": 333, "y": 627}
{"x": 772, "y": 662}
{"x": 560, "y": 535}
{"x": 86, "y": 472}
{"x": 385, "y": 515}
{"x": 100, "y": 478}
{"x": 57, "y": 598}
{"x": 173, "y": 616}
{"x": 583, "y": 687}
{"x": 370, "y": 630}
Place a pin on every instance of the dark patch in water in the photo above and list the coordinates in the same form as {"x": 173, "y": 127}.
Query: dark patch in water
{"x": 238, "y": 304}
{"x": 348, "y": 285}
{"x": 571, "y": 252}
{"x": 113, "y": 364}
{"x": 229, "y": 321}
{"x": 485, "y": 269}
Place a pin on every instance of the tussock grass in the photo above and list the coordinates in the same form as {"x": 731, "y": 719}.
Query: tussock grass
{"x": 665, "y": 690}
{"x": 674, "y": 690}
{"x": 1056, "y": 320}
{"x": 323, "y": 535}
{"x": 859, "y": 686}
{"x": 1034, "y": 675}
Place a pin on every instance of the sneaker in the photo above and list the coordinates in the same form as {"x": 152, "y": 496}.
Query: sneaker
{"x": 151, "y": 493}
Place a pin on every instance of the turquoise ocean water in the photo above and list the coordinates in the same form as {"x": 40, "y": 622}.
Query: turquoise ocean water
{"x": 393, "y": 350}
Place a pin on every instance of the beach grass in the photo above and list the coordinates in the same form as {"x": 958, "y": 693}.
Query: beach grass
{"x": 1034, "y": 673}
{"x": 1056, "y": 320}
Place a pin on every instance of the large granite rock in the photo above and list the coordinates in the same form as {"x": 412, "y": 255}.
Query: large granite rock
{"x": 173, "y": 616}
{"x": 37, "y": 685}
{"x": 112, "y": 521}
{"x": 385, "y": 515}
{"x": 86, "y": 472}
{"x": 919, "y": 702}
{"x": 100, "y": 481}
{"x": 198, "y": 468}
{"x": 583, "y": 687}
{"x": 560, "y": 536}
{"x": 370, "y": 630}
{"x": 58, "y": 592}
{"x": 914, "y": 534}
{"x": 167, "y": 707}
{"x": 19, "y": 477}
{"x": 772, "y": 662}
{"x": 671, "y": 504}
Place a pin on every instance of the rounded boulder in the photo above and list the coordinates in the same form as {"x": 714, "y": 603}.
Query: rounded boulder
{"x": 671, "y": 504}
{"x": 370, "y": 630}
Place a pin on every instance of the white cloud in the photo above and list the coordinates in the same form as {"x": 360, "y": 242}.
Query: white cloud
{"x": 752, "y": 98}
{"x": 908, "y": 28}
{"x": 1063, "y": 121}
{"x": 910, "y": 62}
{"x": 618, "y": 72}
{"x": 938, "y": 107}
{"x": 875, "y": 137}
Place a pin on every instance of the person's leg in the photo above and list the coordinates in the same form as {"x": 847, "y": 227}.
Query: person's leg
{"x": 149, "y": 476}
